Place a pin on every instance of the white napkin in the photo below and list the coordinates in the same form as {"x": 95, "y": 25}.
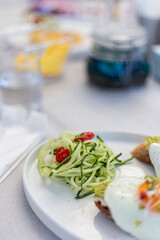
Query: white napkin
{"x": 20, "y": 132}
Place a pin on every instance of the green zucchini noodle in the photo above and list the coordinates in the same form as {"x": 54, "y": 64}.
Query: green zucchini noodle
{"x": 90, "y": 162}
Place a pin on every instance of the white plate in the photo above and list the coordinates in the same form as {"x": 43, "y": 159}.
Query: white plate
{"x": 71, "y": 219}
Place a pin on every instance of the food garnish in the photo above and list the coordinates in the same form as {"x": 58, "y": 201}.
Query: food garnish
{"x": 149, "y": 194}
{"x": 137, "y": 223}
{"x": 154, "y": 139}
{"x": 83, "y": 161}
{"x": 85, "y": 136}
{"x": 141, "y": 152}
{"x": 62, "y": 154}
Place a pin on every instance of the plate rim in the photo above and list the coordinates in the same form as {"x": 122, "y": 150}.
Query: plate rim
{"x": 47, "y": 221}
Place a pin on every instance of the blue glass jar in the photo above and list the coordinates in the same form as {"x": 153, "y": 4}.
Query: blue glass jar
{"x": 118, "y": 58}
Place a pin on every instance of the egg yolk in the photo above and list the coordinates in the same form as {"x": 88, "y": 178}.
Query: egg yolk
{"x": 149, "y": 194}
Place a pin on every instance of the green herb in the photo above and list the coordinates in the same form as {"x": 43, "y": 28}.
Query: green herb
{"x": 93, "y": 148}
{"x": 118, "y": 155}
{"x": 151, "y": 178}
{"x": 103, "y": 162}
{"x": 141, "y": 206}
{"x": 80, "y": 136}
{"x": 116, "y": 158}
{"x": 83, "y": 195}
{"x": 120, "y": 163}
{"x": 152, "y": 185}
{"x": 55, "y": 150}
{"x": 148, "y": 178}
{"x": 107, "y": 154}
{"x": 96, "y": 161}
{"x": 158, "y": 208}
{"x": 82, "y": 170}
{"x": 137, "y": 223}
{"x": 64, "y": 161}
{"x": 99, "y": 138}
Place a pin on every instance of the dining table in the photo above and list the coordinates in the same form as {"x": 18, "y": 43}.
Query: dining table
{"x": 72, "y": 103}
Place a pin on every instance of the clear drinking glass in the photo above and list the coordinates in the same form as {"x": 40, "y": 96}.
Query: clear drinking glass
{"x": 20, "y": 82}
{"x": 27, "y": 54}
{"x": 50, "y": 45}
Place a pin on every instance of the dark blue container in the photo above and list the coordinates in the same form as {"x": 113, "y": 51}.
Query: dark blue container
{"x": 118, "y": 57}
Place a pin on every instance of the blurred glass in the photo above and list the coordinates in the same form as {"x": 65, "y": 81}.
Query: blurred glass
{"x": 123, "y": 11}
{"x": 20, "y": 84}
{"x": 47, "y": 45}
{"x": 149, "y": 17}
{"x": 29, "y": 53}
{"x": 155, "y": 62}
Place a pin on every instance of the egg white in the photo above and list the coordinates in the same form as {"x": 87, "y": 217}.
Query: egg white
{"x": 122, "y": 199}
{"x": 154, "y": 154}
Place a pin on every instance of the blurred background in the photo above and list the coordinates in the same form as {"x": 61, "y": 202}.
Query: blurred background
{"x": 51, "y": 48}
{"x": 115, "y": 35}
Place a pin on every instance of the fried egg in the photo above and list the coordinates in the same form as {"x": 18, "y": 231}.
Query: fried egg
{"x": 135, "y": 205}
{"x": 154, "y": 154}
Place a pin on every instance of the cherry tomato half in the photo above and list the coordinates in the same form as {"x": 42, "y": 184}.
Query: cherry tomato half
{"x": 85, "y": 136}
{"x": 62, "y": 154}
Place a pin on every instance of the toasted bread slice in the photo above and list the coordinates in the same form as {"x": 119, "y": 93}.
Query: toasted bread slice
{"x": 98, "y": 198}
{"x": 105, "y": 210}
{"x": 141, "y": 152}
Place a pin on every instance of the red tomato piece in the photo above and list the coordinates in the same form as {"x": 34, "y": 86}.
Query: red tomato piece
{"x": 89, "y": 135}
{"x": 85, "y": 136}
{"x": 62, "y": 154}
{"x": 80, "y": 138}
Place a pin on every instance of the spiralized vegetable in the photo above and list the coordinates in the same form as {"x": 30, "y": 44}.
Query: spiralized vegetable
{"x": 90, "y": 163}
